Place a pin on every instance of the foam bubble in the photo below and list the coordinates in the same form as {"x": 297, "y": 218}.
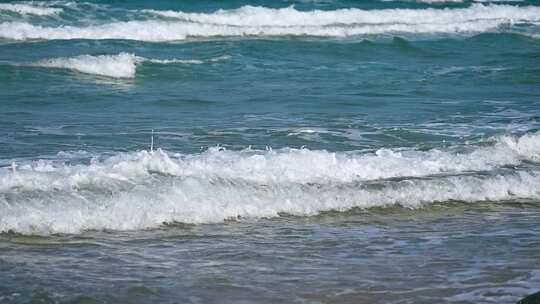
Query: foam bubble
{"x": 122, "y": 65}
{"x": 261, "y": 21}
{"x": 29, "y": 9}
{"x": 141, "y": 190}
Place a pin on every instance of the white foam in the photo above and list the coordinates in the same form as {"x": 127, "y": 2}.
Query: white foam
{"x": 261, "y": 21}
{"x": 187, "y": 61}
{"x": 261, "y": 16}
{"x": 198, "y": 200}
{"x": 142, "y": 190}
{"x": 281, "y": 166}
{"x": 122, "y": 65}
{"x": 29, "y": 9}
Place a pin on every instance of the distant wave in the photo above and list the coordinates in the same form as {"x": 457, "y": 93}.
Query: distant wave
{"x": 122, "y": 65}
{"x": 261, "y": 21}
{"x": 452, "y": 1}
{"x": 29, "y": 9}
{"x": 140, "y": 190}
{"x": 287, "y": 17}
{"x": 428, "y": 1}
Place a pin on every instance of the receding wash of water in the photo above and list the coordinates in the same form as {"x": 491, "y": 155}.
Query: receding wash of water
{"x": 293, "y": 151}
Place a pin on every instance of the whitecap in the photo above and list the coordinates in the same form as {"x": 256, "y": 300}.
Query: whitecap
{"x": 261, "y": 21}
{"x": 122, "y": 65}
{"x": 139, "y": 190}
{"x": 29, "y": 9}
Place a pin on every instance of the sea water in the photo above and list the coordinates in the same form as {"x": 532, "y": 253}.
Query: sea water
{"x": 324, "y": 151}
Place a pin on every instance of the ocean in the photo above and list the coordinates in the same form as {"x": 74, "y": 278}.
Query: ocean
{"x": 292, "y": 151}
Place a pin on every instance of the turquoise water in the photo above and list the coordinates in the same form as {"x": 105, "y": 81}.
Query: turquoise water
{"x": 261, "y": 151}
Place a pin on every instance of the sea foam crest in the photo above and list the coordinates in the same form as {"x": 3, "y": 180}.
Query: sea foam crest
{"x": 261, "y": 21}
{"x": 287, "y": 17}
{"x": 276, "y": 166}
{"x": 29, "y": 9}
{"x": 122, "y": 65}
{"x": 145, "y": 189}
{"x": 198, "y": 200}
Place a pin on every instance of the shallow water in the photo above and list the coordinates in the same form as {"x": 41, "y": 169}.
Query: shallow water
{"x": 295, "y": 151}
{"x": 454, "y": 253}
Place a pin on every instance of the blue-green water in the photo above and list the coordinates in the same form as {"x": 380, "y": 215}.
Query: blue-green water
{"x": 261, "y": 151}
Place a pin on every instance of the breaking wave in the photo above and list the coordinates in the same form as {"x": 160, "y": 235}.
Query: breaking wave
{"x": 290, "y": 17}
{"x": 261, "y": 21}
{"x": 29, "y": 9}
{"x": 451, "y": 1}
{"x": 143, "y": 189}
{"x": 122, "y": 65}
